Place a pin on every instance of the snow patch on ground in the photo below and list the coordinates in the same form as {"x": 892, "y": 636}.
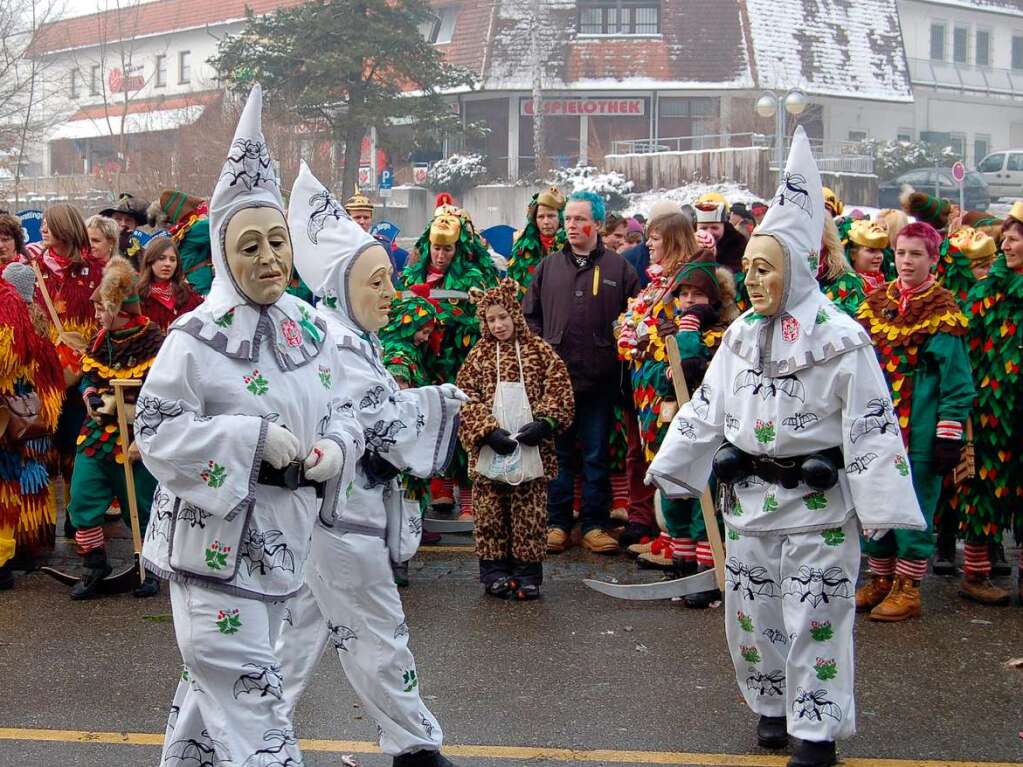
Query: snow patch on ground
{"x": 686, "y": 195}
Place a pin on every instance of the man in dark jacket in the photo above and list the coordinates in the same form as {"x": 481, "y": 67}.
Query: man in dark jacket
{"x": 576, "y": 295}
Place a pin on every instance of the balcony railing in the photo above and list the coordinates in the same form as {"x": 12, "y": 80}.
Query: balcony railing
{"x": 967, "y": 78}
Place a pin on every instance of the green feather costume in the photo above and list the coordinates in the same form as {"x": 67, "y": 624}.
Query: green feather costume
{"x": 528, "y": 251}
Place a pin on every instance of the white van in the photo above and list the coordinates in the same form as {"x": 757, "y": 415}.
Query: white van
{"x": 1003, "y": 172}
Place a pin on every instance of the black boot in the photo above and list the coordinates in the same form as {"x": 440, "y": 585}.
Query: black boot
{"x": 772, "y": 732}
{"x": 527, "y": 576}
{"x": 150, "y": 587}
{"x": 96, "y": 569}
{"x": 496, "y": 577}
{"x": 6, "y": 577}
{"x": 422, "y": 759}
{"x": 635, "y": 533}
{"x": 813, "y": 753}
{"x": 1000, "y": 566}
{"x": 701, "y": 600}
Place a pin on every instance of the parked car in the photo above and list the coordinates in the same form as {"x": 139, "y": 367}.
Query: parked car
{"x": 936, "y": 181}
{"x": 1003, "y": 172}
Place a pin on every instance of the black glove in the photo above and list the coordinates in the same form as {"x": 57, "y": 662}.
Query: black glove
{"x": 694, "y": 368}
{"x": 379, "y": 471}
{"x": 946, "y": 454}
{"x": 95, "y": 402}
{"x": 533, "y": 433}
{"x": 501, "y": 442}
{"x": 707, "y": 314}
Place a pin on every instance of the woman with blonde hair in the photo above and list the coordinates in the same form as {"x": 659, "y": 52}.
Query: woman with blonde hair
{"x": 836, "y": 277}
{"x": 671, "y": 241}
{"x": 103, "y": 235}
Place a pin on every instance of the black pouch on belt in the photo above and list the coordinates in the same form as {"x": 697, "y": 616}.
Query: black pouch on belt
{"x": 291, "y": 477}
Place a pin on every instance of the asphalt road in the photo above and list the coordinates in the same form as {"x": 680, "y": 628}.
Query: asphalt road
{"x": 576, "y": 678}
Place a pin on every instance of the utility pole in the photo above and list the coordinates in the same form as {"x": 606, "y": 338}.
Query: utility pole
{"x": 539, "y": 155}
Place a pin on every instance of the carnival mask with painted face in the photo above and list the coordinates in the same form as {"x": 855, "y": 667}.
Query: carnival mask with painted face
{"x": 257, "y": 246}
{"x": 369, "y": 288}
{"x": 764, "y": 264}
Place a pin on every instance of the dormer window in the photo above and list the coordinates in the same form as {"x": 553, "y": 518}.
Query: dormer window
{"x": 619, "y": 17}
{"x": 441, "y": 28}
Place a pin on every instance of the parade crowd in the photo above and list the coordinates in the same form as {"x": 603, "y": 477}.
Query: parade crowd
{"x": 838, "y": 377}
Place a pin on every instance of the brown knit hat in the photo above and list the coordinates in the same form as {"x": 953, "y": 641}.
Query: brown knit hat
{"x": 701, "y": 273}
{"x": 924, "y": 207}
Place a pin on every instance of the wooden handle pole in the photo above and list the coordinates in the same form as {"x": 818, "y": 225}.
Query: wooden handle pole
{"x": 717, "y": 547}
{"x": 120, "y": 384}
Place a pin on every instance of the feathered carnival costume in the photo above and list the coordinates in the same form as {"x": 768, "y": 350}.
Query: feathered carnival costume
{"x": 531, "y": 247}
{"x": 410, "y": 313}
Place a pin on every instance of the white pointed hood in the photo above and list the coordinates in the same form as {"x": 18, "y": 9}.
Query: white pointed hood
{"x": 807, "y": 329}
{"x": 227, "y": 321}
{"x": 326, "y": 243}
{"x": 248, "y": 179}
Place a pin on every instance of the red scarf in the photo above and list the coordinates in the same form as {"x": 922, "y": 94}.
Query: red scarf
{"x": 134, "y": 321}
{"x": 163, "y": 293}
{"x": 547, "y": 242}
{"x": 905, "y": 294}
{"x": 873, "y": 280}
{"x": 433, "y": 276}
{"x": 55, "y": 262}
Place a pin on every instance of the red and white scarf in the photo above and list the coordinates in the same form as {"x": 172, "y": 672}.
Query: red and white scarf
{"x": 906, "y": 294}
{"x": 163, "y": 293}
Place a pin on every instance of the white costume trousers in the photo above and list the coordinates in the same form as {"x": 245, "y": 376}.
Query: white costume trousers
{"x": 350, "y": 599}
{"x": 229, "y": 708}
{"x": 790, "y": 608}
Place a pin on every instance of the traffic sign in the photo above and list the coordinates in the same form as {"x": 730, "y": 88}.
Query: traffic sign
{"x": 959, "y": 172}
{"x": 386, "y": 178}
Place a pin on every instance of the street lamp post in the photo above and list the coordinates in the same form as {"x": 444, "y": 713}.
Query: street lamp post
{"x": 767, "y": 106}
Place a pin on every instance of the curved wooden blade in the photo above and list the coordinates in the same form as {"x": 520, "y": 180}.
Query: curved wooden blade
{"x": 66, "y": 578}
{"x": 679, "y": 587}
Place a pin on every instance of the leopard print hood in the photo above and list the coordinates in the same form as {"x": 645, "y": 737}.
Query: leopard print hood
{"x": 506, "y": 294}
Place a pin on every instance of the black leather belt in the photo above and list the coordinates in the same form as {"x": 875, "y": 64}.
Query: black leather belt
{"x": 732, "y": 464}
{"x": 291, "y": 477}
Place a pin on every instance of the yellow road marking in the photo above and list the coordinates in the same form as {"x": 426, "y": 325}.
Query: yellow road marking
{"x": 447, "y": 549}
{"x": 517, "y": 753}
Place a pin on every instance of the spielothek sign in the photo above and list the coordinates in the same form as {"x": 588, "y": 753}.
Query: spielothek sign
{"x": 597, "y": 107}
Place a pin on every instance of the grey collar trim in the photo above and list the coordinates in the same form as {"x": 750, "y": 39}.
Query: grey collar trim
{"x": 831, "y": 348}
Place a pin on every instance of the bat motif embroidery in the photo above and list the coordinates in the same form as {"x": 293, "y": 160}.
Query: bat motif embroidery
{"x": 380, "y": 438}
{"x": 151, "y": 412}
{"x": 196, "y": 752}
{"x": 286, "y": 617}
{"x": 420, "y": 423}
{"x": 323, "y": 206}
{"x": 339, "y": 635}
{"x": 799, "y": 421}
{"x": 769, "y": 684}
{"x": 373, "y": 398}
{"x": 814, "y": 705}
{"x": 266, "y": 551}
{"x": 750, "y": 482}
{"x": 248, "y": 163}
{"x": 160, "y": 516}
{"x": 815, "y": 585}
{"x": 701, "y": 401}
{"x": 775, "y": 636}
{"x": 427, "y": 725}
{"x": 415, "y": 525}
{"x": 731, "y": 422}
{"x": 794, "y": 191}
{"x": 402, "y": 630}
{"x": 859, "y": 464}
{"x": 685, "y": 428}
{"x": 266, "y": 680}
{"x": 879, "y": 417}
{"x": 280, "y": 753}
{"x": 768, "y": 387}
{"x": 172, "y": 717}
{"x": 750, "y": 582}
{"x": 193, "y": 515}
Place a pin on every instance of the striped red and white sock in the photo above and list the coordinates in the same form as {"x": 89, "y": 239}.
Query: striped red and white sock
{"x": 89, "y": 539}
{"x": 704, "y": 554}
{"x": 685, "y": 548}
{"x": 914, "y": 569}
{"x": 465, "y": 501}
{"x": 883, "y": 567}
{"x": 976, "y": 560}
{"x": 619, "y": 490}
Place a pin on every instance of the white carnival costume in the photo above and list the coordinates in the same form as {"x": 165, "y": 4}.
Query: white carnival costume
{"x": 802, "y": 381}
{"x": 239, "y": 391}
{"x": 351, "y": 599}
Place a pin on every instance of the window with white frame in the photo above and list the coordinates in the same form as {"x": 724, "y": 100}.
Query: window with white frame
{"x": 618, "y": 17}
{"x": 957, "y": 141}
{"x": 937, "y": 41}
{"x": 981, "y": 146}
{"x": 441, "y": 27}
{"x": 982, "y": 54}
{"x": 184, "y": 67}
{"x": 904, "y": 134}
{"x": 160, "y": 79}
{"x": 76, "y": 86}
{"x": 95, "y": 80}
{"x": 857, "y": 135}
{"x": 961, "y": 45}
{"x": 1017, "y": 51}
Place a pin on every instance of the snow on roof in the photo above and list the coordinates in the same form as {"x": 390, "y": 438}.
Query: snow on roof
{"x": 830, "y": 47}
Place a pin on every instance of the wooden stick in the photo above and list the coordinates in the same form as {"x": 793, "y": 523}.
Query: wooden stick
{"x": 120, "y": 384}
{"x": 678, "y": 380}
{"x": 74, "y": 340}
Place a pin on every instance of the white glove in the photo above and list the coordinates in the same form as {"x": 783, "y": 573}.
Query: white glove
{"x": 876, "y": 534}
{"x": 450, "y": 391}
{"x": 280, "y": 447}
{"x": 324, "y": 461}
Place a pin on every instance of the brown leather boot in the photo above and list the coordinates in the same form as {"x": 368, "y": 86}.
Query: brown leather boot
{"x": 903, "y": 602}
{"x": 979, "y": 588}
{"x": 873, "y": 593}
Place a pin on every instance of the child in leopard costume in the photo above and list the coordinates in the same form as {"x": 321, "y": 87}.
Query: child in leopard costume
{"x": 511, "y": 520}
